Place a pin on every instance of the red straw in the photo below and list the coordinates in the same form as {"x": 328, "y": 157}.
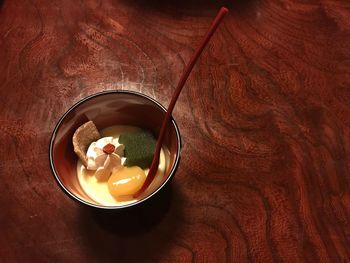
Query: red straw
{"x": 155, "y": 162}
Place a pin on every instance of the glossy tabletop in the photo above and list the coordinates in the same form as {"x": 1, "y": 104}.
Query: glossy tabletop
{"x": 264, "y": 119}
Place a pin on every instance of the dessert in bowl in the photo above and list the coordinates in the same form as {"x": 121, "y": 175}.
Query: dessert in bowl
{"x": 105, "y": 171}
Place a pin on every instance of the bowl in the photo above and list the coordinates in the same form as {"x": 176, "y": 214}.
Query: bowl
{"x": 118, "y": 107}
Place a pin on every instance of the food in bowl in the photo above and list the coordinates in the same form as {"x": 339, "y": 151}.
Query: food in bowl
{"x": 114, "y": 162}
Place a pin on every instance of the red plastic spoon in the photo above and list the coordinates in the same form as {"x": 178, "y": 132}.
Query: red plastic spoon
{"x": 155, "y": 162}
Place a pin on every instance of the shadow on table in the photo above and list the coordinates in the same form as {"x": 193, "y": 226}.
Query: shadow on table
{"x": 184, "y": 5}
{"x": 136, "y": 220}
{"x": 194, "y": 8}
{"x": 135, "y": 233}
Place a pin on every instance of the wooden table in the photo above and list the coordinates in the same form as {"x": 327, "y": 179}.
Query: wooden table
{"x": 264, "y": 119}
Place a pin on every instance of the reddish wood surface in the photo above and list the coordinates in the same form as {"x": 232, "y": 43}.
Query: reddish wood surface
{"x": 264, "y": 118}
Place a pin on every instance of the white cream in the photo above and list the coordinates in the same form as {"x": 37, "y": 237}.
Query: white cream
{"x": 102, "y": 162}
{"x": 96, "y": 156}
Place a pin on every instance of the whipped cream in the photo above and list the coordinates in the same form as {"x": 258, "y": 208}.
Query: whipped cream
{"x": 102, "y": 162}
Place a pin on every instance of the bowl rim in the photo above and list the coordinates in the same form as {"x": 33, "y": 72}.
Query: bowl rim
{"x": 89, "y": 97}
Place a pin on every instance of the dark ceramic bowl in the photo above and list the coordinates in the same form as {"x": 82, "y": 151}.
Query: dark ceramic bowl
{"x": 107, "y": 109}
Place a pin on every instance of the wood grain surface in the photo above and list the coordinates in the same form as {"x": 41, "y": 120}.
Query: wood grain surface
{"x": 264, "y": 119}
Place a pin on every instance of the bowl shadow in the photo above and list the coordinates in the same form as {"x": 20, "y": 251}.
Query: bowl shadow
{"x": 177, "y": 9}
{"x": 200, "y": 5}
{"x": 179, "y": 6}
{"x": 136, "y": 220}
{"x": 132, "y": 234}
